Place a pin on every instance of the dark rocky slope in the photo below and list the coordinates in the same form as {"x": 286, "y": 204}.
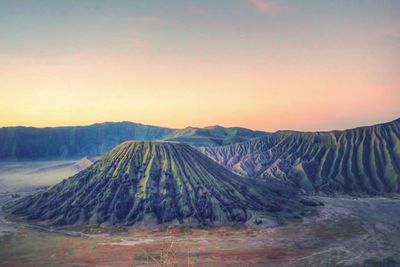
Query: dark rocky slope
{"x": 360, "y": 160}
{"x": 154, "y": 183}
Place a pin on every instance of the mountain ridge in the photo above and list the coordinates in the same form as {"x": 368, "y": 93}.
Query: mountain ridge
{"x": 212, "y": 135}
{"x": 80, "y": 141}
{"x": 358, "y": 160}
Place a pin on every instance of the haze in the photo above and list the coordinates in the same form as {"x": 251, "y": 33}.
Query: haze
{"x": 268, "y": 65}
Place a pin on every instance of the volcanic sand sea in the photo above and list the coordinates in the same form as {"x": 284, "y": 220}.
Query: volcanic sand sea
{"x": 27, "y": 175}
{"x": 345, "y": 232}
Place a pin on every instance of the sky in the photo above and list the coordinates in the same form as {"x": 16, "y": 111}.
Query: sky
{"x": 261, "y": 64}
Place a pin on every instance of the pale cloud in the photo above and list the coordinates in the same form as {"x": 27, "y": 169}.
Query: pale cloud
{"x": 263, "y": 6}
{"x": 150, "y": 19}
{"x": 194, "y": 9}
{"x": 138, "y": 42}
{"x": 146, "y": 19}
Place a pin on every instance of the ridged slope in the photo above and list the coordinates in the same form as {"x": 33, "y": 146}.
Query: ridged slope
{"x": 362, "y": 160}
{"x": 156, "y": 183}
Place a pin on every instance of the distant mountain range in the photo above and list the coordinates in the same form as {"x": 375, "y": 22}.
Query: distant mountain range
{"x": 360, "y": 160}
{"x": 146, "y": 183}
{"x": 97, "y": 139}
{"x": 364, "y": 160}
{"x": 150, "y": 183}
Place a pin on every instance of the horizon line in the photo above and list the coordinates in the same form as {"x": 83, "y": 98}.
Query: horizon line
{"x": 205, "y": 127}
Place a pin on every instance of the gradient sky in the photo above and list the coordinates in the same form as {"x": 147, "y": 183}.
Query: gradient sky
{"x": 261, "y": 64}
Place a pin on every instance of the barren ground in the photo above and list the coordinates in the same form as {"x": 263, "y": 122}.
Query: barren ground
{"x": 344, "y": 232}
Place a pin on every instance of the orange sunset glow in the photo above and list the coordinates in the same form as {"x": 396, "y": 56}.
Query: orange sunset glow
{"x": 267, "y": 72}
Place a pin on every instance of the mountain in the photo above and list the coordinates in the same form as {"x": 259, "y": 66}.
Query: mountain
{"x": 360, "y": 160}
{"x": 72, "y": 142}
{"x": 150, "y": 183}
{"x": 213, "y": 135}
{"x": 29, "y": 143}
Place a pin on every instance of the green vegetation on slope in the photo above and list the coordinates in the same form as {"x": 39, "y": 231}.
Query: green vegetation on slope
{"x": 361, "y": 160}
{"x": 153, "y": 183}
